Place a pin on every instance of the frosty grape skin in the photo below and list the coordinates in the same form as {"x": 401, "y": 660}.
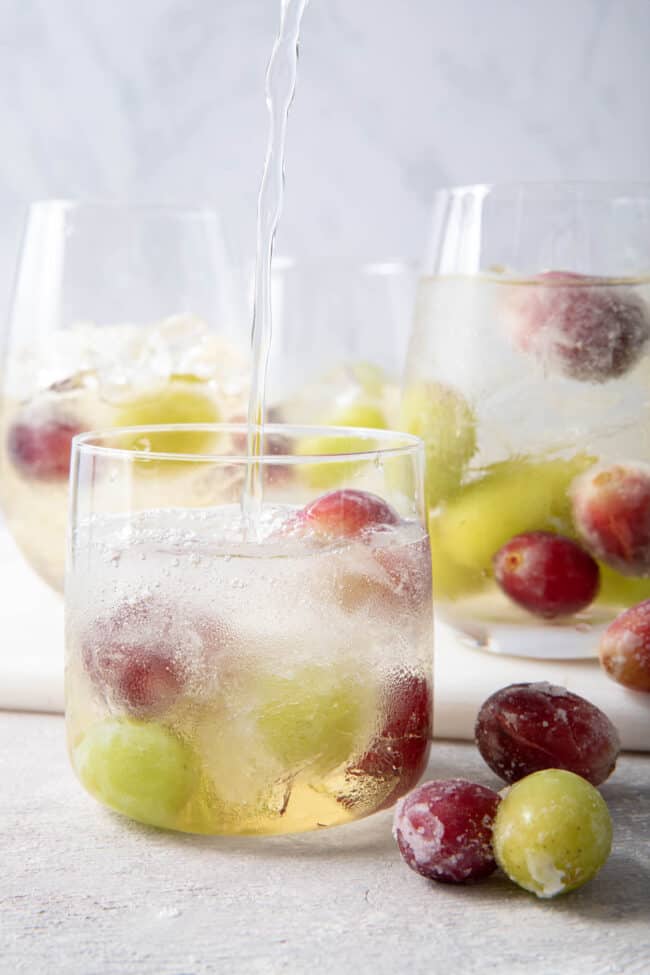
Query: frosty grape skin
{"x": 552, "y": 832}
{"x": 546, "y": 406}
{"x": 611, "y": 511}
{"x": 524, "y": 728}
{"x": 447, "y": 425}
{"x": 444, "y": 830}
{"x": 140, "y": 657}
{"x": 625, "y": 648}
{"x": 577, "y": 325}
{"x": 36, "y": 441}
{"x": 39, "y": 445}
{"x": 304, "y": 667}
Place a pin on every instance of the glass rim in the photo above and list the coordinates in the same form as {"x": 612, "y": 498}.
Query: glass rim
{"x": 395, "y": 443}
{"x": 601, "y": 189}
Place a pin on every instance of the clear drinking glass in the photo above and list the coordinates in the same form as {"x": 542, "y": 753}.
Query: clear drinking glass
{"x": 121, "y": 315}
{"x": 225, "y": 676}
{"x": 340, "y": 333}
{"x": 528, "y": 375}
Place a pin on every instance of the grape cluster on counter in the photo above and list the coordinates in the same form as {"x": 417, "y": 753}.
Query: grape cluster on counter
{"x": 549, "y": 830}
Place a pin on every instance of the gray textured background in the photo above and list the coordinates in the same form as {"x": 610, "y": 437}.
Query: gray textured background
{"x": 161, "y": 100}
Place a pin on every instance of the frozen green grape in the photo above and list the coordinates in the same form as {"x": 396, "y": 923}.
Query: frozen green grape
{"x": 138, "y": 768}
{"x": 327, "y": 475}
{"x": 552, "y": 832}
{"x": 444, "y": 420}
{"x": 619, "y": 590}
{"x": 182, "y": 401}
{"x": 451, "y": 580}
{"x": 358, "y": 414}
{"x": 370, "y": 377}
{"x": 513, "y": 497}
{"x": 314, "y": 718}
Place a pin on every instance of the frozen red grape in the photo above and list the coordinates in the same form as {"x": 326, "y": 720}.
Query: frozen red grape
{"x": 345, "y": 513}
{"x": 400, "y": 582}
{"x": 140, "y": 658}
{"x": 399, "y": 753}
{"x": 625, "y": 648}
{"x": 146, "y": 678}
{"x": 524, "y": 728}
{"x": 444, "y": 830}
{"x": 547, "y": 574}
{"x": 39, "y": 446}
{"x": 611, "y": 512}
{"x": 408, "y": 570}
{"x": 578, "y": 325}
{"x": 134, "y": 671}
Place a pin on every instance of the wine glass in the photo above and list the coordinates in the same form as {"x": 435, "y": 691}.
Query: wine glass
{"x": 121, "y": 314}
{"x": 527, "y": 375}
{"x": 340, "y": 331}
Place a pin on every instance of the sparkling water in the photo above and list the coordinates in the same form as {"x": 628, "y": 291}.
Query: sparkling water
{"x": 280, "y": 86}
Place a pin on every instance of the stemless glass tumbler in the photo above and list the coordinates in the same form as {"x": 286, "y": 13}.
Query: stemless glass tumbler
{"x": 257, "y": 668}
{"x": 121, "y": 315}
{"x": 528, "y": 376}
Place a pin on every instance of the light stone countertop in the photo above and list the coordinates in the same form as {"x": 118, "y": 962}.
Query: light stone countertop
{"x": 84, "y": 892}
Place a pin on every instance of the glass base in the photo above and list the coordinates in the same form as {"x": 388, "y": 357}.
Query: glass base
{"x": 541, "y": 642}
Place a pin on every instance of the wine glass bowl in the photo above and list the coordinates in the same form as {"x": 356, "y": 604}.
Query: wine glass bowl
{"x": 121, "y": 315}
{"x": 340, "y": 330}
{"x": 527, "y": 376}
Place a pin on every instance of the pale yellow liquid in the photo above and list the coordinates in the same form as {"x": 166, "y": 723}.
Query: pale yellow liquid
{"x": 36, "y": 508}
{"x": 525, "y": 414}
{"x": 331, "y": 638}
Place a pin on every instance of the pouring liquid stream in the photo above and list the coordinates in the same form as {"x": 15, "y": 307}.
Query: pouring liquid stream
{"x": 280, "y": 87}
